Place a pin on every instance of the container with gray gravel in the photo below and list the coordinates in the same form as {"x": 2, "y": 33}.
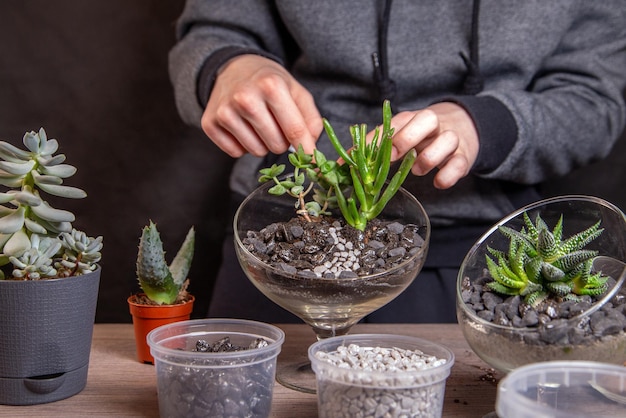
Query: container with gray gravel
{"x": 215, "y": 367}
{"x": 380, "y": 375}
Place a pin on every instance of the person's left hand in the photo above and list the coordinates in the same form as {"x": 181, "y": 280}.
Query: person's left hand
{"x": 444, "y": 137}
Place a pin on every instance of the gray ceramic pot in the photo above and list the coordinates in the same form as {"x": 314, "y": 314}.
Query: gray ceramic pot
{"x": 46, "y": 328}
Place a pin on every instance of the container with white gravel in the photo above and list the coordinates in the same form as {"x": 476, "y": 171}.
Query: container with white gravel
{"x": 380, "y": 375}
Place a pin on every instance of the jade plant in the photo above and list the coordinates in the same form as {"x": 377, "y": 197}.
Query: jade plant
{"x": 358, "y": 185}
{"x": 540, "y": 263}
{"x": 37, "y": 240}
{"x": 163, "y": 284}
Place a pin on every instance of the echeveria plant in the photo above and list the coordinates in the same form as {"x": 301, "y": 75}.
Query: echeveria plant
{"x": 36, "y": 239}
{"x": 161, "y": 283}
{"x": 539, "y": 263}
{"x": 358, "y": 186}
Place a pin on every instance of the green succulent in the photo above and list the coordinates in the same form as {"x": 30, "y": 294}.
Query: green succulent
{"x": 358, "y": 186}
{"x": 539, "y": 263}
{"x": 161, "y": 283}
{"x": 32, "y": 232}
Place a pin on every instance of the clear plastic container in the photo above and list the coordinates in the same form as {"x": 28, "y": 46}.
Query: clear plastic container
{"x": 193, "y": 383}
{"x": 342, "y": 392}
{"x": 563, "y": 389}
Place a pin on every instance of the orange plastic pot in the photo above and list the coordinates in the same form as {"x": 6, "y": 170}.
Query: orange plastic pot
{"x": 148, "y": 317}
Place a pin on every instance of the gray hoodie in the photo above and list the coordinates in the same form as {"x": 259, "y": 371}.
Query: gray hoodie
{"x": 542, "y": 80}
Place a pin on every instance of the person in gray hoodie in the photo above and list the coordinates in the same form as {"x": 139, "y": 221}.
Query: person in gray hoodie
{"x": 495, "y": 96}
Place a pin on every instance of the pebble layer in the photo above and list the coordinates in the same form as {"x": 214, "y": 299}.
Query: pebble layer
{"x": 549, "y": 332}
{"x": 397, "y": 391}
{"x": 551, "y": 320}
{"x": 331, "y": 249}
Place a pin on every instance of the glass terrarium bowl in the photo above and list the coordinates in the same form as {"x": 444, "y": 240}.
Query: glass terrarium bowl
{"x": 331, "y": 306}
{"x": 587, "y": 335}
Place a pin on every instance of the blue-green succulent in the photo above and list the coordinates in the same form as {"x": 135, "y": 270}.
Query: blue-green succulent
{"x": 37, "y": 239}
{"x": 540, "y": 263}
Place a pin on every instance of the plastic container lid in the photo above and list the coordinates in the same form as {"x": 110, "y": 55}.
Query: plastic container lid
{"x": 560, "y": 389}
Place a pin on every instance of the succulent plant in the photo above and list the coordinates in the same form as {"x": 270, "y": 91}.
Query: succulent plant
{"x": 161, "y": 283}
{"x": 358, "y": 186}
{"x": 539, "y": 263}
{"x": 36, "y": 238}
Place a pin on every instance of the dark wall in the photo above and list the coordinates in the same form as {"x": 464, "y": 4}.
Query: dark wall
{"x": 93, "y": 73}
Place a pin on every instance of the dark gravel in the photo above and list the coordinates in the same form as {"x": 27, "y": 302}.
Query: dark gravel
{"x": 553, "y": 320}
{"x": 227, "y": 389}
{"x": 331, "y": 249}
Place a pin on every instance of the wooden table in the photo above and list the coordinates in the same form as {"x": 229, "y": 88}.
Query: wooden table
{"x": 119, "y": 386}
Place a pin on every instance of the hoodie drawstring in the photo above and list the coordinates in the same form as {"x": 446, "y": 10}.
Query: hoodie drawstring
{"x": 473, "y": 83}
{"x": 386, "y": 86}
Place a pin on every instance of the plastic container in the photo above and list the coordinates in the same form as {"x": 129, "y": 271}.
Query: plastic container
{"x": 560, "y": 389}
{"x": 342, "y": 392}
{"x": 192, "y": 383}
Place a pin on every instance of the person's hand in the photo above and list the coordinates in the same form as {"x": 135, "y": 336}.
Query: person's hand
{"x": 444, "y": 137}
{"x": 257, "y": 107}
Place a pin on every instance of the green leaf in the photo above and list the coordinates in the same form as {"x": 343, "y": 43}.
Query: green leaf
{"x": 336, "y": 143}
{"x": 182, "y": 261}
{"x": 328, "y": 167}
{"x": 277, "y": 190}
{"x": 313, "y": 208}
{"x": 153, "y": 274}
{"x": 300, "y": 159}
{"x": 273, "y": 171}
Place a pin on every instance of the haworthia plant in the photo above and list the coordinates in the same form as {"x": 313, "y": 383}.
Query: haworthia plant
{"x": 540, "y": 263}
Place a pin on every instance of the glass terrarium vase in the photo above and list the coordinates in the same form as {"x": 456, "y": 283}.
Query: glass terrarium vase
{"x": 585, "y": 329}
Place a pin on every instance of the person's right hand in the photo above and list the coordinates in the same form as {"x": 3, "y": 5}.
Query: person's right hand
{"x": 256, "y": 106}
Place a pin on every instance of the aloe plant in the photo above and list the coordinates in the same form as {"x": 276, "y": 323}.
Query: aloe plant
{"x": 37, "y": 239}
{"x": 358, "y": 187}
{"x": 161, "y": 283}
{"x": 539, "y": 263}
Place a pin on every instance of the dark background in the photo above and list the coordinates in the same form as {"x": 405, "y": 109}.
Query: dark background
{"x": 93, "y": 73}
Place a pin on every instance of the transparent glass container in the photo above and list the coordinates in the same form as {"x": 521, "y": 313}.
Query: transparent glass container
{"x": 507, "y": 347}
{"x": 331, "y": 306}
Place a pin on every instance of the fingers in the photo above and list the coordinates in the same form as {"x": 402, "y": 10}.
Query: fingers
{"x": 435, "y": 152}
{"x": 454, "y": 170}
{"x": 301, "y": 126}
{"x": 257, "y": 107}
{"x": 411, "y": 130}
{"x": 232, "y": 133}
{"x": 444, "y": 137}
